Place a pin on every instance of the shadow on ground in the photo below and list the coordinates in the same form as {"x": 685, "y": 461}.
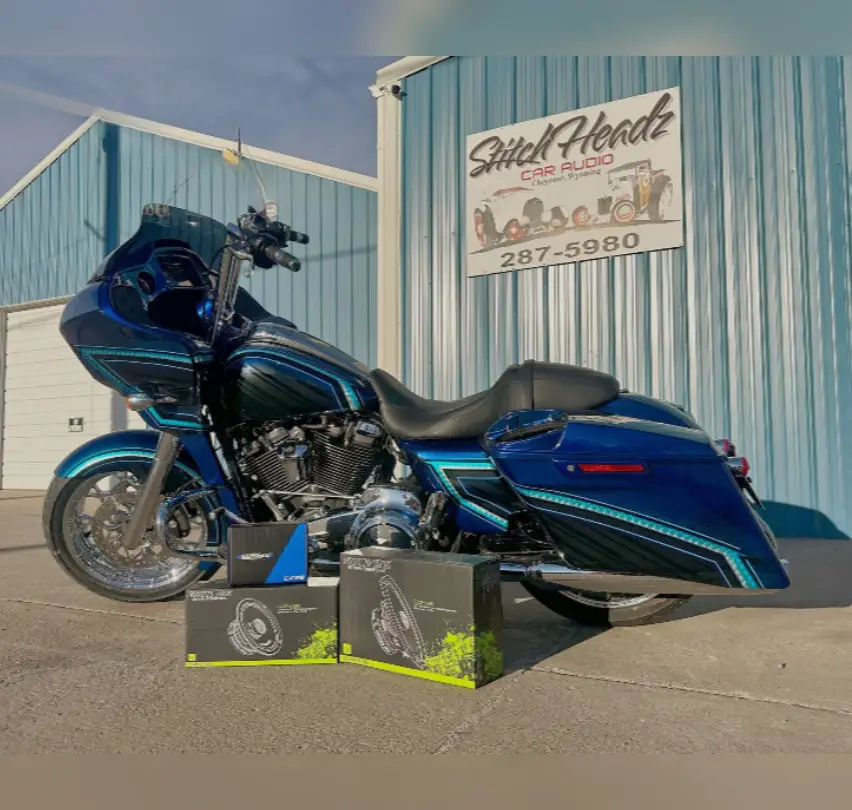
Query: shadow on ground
{"x": 820, "y": 575}
{"x": 789, "y": 520}
{"x": 532, "y": 633}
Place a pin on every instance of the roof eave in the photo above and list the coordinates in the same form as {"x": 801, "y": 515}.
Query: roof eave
{"x": 405, "y": 67}
{"x": 187, "y": 136}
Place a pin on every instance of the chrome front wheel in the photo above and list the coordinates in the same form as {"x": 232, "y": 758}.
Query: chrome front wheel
{"x": 85, "y": 521}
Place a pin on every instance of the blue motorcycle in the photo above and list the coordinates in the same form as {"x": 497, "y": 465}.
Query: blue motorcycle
{"x": 609, "y": 507}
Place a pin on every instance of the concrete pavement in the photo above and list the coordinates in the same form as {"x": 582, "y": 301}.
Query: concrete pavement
{"x": 84, "y": 674}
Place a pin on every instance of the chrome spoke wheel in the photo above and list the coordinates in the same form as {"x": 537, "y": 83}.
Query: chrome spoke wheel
{"x": 608, "y": 601}
{"x": 95, "y": 521}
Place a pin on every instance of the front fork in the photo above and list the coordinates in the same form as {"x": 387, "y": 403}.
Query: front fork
{"x": 150, "y": 511}
{"x": 168, "y": 448}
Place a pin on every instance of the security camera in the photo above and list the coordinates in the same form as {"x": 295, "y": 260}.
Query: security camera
{"x": 378, "y": 91}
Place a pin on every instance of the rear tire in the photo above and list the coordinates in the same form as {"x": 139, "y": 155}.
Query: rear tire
{"x": 568, "y": 605}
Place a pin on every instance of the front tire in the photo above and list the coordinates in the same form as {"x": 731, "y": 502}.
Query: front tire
{"x": 92, "y": 548}
{"x": 595, "y": 610}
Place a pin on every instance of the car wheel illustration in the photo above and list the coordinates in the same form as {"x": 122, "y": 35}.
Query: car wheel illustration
{"x": 534, "y": 211}
{"x": 623, "y": 212}
{"x": 581, "y": 218}
{"x": 514, "y": 231}
{"x": 558, "y": 219}
{"x": 486, "y": 230}
{"x": 661, "y": 198}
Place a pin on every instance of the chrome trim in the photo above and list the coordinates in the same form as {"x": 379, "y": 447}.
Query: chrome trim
{"x": 221, "y": 510}
{"x": 306, "y": 493}
{"x": 391, "y": 506}
{"x": 141, "y": 402}
{"x": 604, "y": 582}
{"x": 737, "y": 464}
{"x": 168, "y": 447}
{"x": 226, "y": 288}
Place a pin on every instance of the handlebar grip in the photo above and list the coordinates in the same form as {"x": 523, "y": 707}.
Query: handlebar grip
{"x": 283, "y": 258}
{"x": 299, "y": 238}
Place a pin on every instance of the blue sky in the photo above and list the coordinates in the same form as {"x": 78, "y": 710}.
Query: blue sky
{"x": 314, "y": 108}
{"x": 253, "y": 65}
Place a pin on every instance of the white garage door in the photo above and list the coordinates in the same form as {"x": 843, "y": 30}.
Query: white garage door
{"x": 46, "y": 386}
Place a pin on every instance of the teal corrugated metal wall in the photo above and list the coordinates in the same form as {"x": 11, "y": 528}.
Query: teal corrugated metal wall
{"x": 748, "y": 325}
{"x": 59, "y": 228}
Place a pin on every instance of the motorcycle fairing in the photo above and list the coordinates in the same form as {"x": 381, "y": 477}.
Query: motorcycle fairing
{"x": 681, "y": 517}
{"x": 134, "y": 359}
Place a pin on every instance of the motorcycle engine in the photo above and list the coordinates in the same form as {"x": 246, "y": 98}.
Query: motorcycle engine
{"x": 319, "y": 466}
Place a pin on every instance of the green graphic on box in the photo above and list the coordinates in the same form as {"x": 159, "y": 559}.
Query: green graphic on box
{"x": 428, "y": 615}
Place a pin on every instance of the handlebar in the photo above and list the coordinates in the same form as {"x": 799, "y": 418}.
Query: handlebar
{"x": 265, "y": 240}
{"x": 281, "y": 257}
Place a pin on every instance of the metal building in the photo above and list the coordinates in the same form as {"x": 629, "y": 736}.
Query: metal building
{"x": 748, "y": 324}
{"x": 86, "y": 197}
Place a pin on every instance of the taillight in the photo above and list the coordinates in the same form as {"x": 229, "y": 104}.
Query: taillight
{"x": 612, "y": 468}
{"x": 726, "y": 447}
{"x": 740, "y": 465}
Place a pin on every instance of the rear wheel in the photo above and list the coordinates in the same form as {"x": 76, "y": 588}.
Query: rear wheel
{"x": 605, "y": 609}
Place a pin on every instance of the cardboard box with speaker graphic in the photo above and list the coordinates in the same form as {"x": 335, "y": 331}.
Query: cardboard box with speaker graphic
{"x": 267, "y": 554}
{"x": 291, "y": 624}
{"x": 429, "y": 615}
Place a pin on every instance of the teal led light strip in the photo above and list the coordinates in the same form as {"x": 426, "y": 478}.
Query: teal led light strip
{"x": 439, "y": 466}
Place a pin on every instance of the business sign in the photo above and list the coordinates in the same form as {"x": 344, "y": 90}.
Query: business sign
{"x": 589, "y": 184}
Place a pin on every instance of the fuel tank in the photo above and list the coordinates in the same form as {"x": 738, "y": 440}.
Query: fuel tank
{"x": 279, "y": 372}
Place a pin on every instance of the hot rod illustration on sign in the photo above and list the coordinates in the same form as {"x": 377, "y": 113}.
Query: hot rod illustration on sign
{"x": 635, "y": 189}
{"x": 512, "y": 214}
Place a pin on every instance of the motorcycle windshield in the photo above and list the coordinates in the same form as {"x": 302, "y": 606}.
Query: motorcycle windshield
{"x": 160, "y": 224}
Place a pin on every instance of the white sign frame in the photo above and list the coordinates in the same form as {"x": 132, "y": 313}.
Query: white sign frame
{"x": 593, "y": 183}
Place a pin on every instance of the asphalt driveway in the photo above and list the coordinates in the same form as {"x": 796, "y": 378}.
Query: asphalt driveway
{"x": 83, "y": 674}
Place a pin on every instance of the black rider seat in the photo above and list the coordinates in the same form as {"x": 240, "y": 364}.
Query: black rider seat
{"x": 530, "y": 386}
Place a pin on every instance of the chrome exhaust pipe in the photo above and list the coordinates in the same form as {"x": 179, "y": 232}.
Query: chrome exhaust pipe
{"x": 563, "y": 576}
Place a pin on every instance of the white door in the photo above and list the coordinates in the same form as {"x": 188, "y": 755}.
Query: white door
{"x": 47, "y": 388}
